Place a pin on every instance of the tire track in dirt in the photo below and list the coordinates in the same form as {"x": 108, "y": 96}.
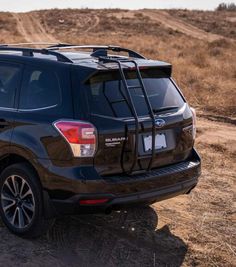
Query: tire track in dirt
{"x": 87, "y": 23}
{"x": 31, "y": 29}
{"x": 176, "y": 24}
{"x": 94, "y": 25}
{"x": 171, "y": 22}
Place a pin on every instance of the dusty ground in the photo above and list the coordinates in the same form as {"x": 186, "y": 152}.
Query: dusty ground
{"x": 194, "y": 230}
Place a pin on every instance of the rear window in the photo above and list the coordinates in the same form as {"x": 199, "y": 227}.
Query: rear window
{"x": 106, "y": 93}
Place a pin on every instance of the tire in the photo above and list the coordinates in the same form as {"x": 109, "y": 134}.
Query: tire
{"x": 21, "y": 201}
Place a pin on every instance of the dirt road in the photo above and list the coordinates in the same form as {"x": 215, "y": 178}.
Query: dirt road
{"x": 185, "y": 231}
{"x": 176, "y": 24}
{"x": 171, "y": 22}
{"x": 31, "y": 29}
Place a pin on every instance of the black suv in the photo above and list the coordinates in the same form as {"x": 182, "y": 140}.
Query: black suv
{"x": 89, "y": 129}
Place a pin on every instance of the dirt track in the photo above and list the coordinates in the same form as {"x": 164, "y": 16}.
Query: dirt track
{"x": 31, "y": 28}
{"x": 185, "y": 231}
{"x": 169, "y": 21}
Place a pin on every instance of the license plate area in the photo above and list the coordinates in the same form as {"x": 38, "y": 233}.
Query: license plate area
{"x": 160, "y": 142}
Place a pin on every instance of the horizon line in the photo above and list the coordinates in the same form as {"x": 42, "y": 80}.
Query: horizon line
{"x": 110, "y": 8}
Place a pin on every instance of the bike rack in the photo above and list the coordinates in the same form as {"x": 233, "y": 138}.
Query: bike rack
{"x": 132, "y": 108}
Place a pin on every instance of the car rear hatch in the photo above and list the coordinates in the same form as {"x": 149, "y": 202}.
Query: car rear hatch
{"x": 142, "y": 120}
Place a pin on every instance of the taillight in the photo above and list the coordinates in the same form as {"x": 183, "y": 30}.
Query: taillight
{"x": 80, "y": 135}
{"x": 194, "y": 115}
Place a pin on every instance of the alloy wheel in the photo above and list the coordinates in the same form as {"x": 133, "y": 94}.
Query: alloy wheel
{"x": 17, "y": 201}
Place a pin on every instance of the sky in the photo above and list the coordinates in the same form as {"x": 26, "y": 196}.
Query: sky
{"x": 27, "y": 5}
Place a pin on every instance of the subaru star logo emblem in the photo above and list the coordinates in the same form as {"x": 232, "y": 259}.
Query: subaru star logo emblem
{"x": 160, "y": 123}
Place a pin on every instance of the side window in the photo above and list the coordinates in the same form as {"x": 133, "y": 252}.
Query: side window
{"x": 9, "y": 82}
{"x": 40, "y": 89}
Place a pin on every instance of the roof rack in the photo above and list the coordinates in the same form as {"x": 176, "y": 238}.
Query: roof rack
{"x": 53, "y": 50}
{"x": 29, "y": 52}
{"x": 30, "y": 44}
{"x": 99, "y": 50}
{"x": 58, "y": 45}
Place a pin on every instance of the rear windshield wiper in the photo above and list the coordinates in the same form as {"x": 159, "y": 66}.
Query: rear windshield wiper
{"x": 164, "y": 109}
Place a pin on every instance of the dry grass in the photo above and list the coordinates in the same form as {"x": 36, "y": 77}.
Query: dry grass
{"x": 8, "y": 29}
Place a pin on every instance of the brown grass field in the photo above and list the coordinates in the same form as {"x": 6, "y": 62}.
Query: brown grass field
{"x": 193, "y": 230}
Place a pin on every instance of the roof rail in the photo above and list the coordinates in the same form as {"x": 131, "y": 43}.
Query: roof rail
{"x": 98, "y": 51}
{"x": 30, "y": 44}
{"x": 58, "y": 45}
{"x": 30, "y": 52}
{"x": 101, "y": 48}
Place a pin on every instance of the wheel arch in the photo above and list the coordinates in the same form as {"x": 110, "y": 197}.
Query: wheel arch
{"x": 13, "y": 158}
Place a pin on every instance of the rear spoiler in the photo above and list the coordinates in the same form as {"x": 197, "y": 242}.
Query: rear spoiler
{"x": 160, "y": 70}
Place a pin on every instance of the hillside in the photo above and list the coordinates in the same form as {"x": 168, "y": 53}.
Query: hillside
{"x": 221, "y": 22}
{"x": 202, "y": 54}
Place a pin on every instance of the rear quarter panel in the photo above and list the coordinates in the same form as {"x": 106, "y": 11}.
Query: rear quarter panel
{"x": 34, "y": 135}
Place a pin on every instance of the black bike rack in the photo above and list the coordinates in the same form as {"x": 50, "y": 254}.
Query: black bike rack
{"x": 132, "y": 108}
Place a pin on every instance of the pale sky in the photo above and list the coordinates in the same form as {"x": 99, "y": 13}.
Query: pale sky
{"x": 27, "y": 5}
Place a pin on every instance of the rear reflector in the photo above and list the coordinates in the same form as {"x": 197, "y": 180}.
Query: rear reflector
{"x": 81, "y": 136}
{"x": 93, "y": 201}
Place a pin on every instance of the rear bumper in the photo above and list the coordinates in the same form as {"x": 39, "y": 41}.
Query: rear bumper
{"x": 123, "y": 191}
{"x": 72, "y": 206}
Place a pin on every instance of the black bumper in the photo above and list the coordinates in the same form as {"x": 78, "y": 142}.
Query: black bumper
{"x": 123, "y": 191}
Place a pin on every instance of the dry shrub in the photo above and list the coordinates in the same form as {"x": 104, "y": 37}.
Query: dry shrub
{"x": 218, "y": 147}
{"x": 199, "y": 59}
{"x": 140, "y": 15}
{"x": 214, "y": 52}
{"x": 222, "y": 43}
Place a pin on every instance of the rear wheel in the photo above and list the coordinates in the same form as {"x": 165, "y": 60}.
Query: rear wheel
{"x": 21, "y": 202}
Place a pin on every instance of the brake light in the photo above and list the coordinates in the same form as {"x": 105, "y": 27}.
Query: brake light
{"x": 194, "y": 115}
{"x": 80, "y": 135}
